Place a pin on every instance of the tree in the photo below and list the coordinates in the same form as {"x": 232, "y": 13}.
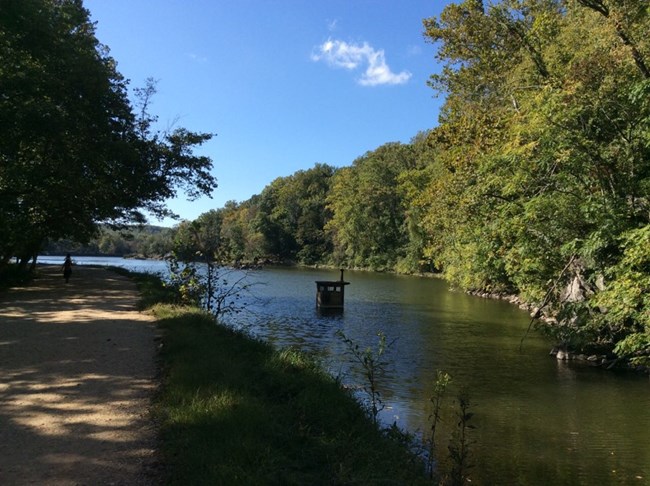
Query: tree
{"x": 234, "y": 231}
{"x": 367, "y": 207}
{"x": 276, "y": 221}
{"x": 544, "y": 155}
{"x": 412, "y": 184}
{"x": 73, "y": 153}
{"x": 311, "y": 188}
{"x": 198, "y": 270}
{"x": 623, "y": 316}
{"x": 293, "y": 214}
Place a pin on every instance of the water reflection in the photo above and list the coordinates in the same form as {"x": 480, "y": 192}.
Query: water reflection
{"x": 538, "y": 421}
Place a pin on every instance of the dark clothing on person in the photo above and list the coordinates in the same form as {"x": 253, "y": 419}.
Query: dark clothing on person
{"x": 67, "y": 268}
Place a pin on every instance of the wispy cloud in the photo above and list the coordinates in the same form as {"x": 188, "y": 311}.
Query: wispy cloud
{"x": 340, "y": 54}
{"x": 414, "y": 50}
{"x": 197, "y": 58}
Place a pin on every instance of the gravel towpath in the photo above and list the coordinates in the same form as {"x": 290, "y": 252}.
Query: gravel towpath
{"x": 77, "y": 374}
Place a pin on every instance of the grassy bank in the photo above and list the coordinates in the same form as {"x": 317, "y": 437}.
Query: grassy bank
{"x": 234, "y": 410}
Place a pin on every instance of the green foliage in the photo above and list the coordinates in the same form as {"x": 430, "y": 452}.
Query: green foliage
{"x": 185, "y": 281}
{"x": 368, "y": 211}
{"x": 544, "y": 161}
{"x": 359, "y": 216}
{"x": 625, "y": 302}
{"x": 453, "y": 468}
{"x": 240, "y": 240}
{"x": 412, "y": 184}
{"x": 73, "y": 152}
{"x": 373, "y": 366}
{"x": 142, "y": 241}
{"x": 292, "y": 216}
{"x": 439, "y": 389}
{"x": 198, "y": 269}
{"x": 459, "y": 446}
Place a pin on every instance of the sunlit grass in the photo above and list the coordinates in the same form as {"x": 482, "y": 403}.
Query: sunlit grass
{"x": 233, "y": 410}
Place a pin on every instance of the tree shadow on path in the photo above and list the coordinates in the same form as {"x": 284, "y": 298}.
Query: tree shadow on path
{"x": 77, "y": 368}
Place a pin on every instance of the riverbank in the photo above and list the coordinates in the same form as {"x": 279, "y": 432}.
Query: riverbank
{"x": 235, "y": 410}
{"x": 607, "y": 360}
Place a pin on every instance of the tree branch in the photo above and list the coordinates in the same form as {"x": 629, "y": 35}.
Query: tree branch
{"x": 600, "y": 7}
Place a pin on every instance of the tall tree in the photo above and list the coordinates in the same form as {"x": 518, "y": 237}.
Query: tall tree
{"x": 368, "y": 213}
{"x": 293, "y": 214}
{"x": 72, "y": 150}
{"x": 412, "y": 186}
{"x": 543, "y": 144}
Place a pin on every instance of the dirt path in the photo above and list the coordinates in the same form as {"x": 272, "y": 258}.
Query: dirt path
{"x": 77, "y": 371}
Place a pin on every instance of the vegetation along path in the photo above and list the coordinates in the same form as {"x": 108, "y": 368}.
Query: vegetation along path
{"x": 77, "y": 369}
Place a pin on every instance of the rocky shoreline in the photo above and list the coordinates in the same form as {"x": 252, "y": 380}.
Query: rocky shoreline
{"x": 563, "y": 353}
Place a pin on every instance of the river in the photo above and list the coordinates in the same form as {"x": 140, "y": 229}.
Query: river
{"x": 537, "y": 421}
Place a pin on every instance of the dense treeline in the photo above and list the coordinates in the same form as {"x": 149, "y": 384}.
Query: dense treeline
{"x": 140, "y": 241}
{"x": 536, "y": 181}
{"x": 74, "y": 151}
{"x": 355, "y": 216}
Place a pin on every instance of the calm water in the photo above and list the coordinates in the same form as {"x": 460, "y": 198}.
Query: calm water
{"x": 538, "y": 421}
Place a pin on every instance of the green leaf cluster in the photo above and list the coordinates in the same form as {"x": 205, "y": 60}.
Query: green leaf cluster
{"x": 367, "y": 208}
{"x": 624, "y": 304}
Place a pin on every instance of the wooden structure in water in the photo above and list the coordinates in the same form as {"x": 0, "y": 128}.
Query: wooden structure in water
{"x": 330, "y": 294}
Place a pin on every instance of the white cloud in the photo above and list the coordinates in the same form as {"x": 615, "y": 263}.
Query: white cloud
{"x": 340, "y": 54}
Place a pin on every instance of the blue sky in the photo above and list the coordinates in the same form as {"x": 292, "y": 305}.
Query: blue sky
{"x": 284, "y": 84}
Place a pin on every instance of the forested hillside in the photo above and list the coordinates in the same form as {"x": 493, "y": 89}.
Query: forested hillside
{"x": 535, "y": 182}
{"x": 545, "y": 168}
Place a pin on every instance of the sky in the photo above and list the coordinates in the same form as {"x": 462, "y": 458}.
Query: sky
{"x": 284, "y": 84}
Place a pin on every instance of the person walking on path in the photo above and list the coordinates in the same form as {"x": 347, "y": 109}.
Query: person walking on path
{"x": 67, "y": 268}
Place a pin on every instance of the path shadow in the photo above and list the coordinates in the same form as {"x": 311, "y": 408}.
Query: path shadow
{"x": 77, "y": 366}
